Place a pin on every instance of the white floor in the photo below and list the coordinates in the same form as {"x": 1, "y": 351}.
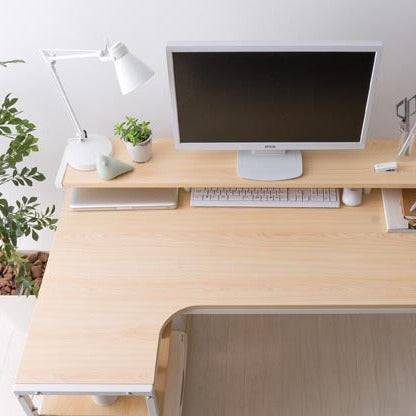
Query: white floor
{"x": 15, "y": 316}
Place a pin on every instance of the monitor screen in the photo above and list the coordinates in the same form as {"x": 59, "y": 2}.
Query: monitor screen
{"x": 246, "y": 97}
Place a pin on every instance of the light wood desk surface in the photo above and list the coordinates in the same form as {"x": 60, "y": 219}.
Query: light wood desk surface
{"x": 185, "y": 168}
{"x": 115, "y": 278}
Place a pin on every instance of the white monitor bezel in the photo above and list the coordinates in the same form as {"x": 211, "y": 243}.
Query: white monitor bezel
{"x": 373, "y": 46}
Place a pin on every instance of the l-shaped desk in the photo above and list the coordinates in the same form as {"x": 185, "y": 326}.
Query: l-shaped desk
{"x": 115, "y": 279}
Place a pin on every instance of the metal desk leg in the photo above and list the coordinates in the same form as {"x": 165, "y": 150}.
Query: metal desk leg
{"x": 152, "y": 405}
{"x": 24, "y": 391}
{"x": 27, "y": 404}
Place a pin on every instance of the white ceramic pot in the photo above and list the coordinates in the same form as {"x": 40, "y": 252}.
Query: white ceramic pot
{"x": 104, "y": 400}
{"x": 142, "y": 152}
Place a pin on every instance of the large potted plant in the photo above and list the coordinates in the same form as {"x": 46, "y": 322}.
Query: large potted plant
{"x": 138, "y": 138}
{"x": 20, "y": 273}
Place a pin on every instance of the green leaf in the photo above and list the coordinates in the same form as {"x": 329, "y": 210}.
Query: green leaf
{"x": 14, "y": 61}
{"x": 6, "y": 129}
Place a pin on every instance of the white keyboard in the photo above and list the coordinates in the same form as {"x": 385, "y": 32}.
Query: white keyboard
{"x": 266, "y": 197}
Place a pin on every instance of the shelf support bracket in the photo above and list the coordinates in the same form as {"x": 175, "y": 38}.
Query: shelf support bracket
{"x": 27, "y": 405}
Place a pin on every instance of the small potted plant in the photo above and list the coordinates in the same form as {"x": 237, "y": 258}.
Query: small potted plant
{"x": 138, "y": 138}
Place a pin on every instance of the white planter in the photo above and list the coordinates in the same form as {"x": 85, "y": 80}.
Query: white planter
{"x": 142, "y": 152}
{"x": 17, "y": 310}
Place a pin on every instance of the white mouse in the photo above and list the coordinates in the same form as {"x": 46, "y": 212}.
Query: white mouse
{"x": 352, "y": 196}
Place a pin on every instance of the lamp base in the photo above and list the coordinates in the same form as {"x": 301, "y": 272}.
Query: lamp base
{"x": 82, "y": 155}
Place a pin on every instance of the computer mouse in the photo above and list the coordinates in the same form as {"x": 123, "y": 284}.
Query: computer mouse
{"x": 352, "y": 197}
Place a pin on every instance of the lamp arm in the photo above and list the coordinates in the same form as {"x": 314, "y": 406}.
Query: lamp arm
{"x": 81, "y": 134}
{"x": 53, "y": 55}
{"x": 60, "y": 54}
{"x": 75, "y": 56}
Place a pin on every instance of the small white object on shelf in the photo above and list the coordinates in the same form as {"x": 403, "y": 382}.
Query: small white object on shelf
{"x": 385, "y": 167}
{"x": 109, "y": 167}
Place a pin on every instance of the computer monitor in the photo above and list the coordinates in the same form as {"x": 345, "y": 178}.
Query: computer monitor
{"x": 269, "y": 101}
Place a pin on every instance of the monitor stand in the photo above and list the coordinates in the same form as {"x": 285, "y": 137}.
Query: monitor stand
{"x": 269, "y": 165}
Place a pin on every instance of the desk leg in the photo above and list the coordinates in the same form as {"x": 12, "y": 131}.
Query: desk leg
{"x": 23, "y": 393}
{"x": 27, "y": 405}
{"x": 152, "y": 405}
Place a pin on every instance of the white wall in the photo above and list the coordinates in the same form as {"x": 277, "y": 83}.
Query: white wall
{"x": 145, "y": 26}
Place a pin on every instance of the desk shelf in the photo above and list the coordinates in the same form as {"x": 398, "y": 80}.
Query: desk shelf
{"x": 171, "y": 168}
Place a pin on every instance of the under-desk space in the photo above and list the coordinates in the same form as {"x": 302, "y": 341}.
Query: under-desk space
{"x": 303, "y": 365}
{"x": 84, "y": 406}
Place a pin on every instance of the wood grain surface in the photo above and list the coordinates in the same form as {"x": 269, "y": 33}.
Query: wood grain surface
{"x": 115, "y": 278}
{"x": 185, "y": 168}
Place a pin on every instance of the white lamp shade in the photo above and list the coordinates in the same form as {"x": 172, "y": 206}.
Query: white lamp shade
{"x": 131, "y": 71}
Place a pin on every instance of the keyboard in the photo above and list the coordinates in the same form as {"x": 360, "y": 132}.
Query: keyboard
{"x": 266, "y": 197}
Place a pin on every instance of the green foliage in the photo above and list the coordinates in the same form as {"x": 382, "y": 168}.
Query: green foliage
{"x": 14, "y": 61}
{"x": 24, "y": 218}
{"x": 132, "y": 131}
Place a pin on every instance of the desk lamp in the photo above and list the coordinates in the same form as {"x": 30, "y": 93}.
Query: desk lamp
{"x": 82, "y": 150}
